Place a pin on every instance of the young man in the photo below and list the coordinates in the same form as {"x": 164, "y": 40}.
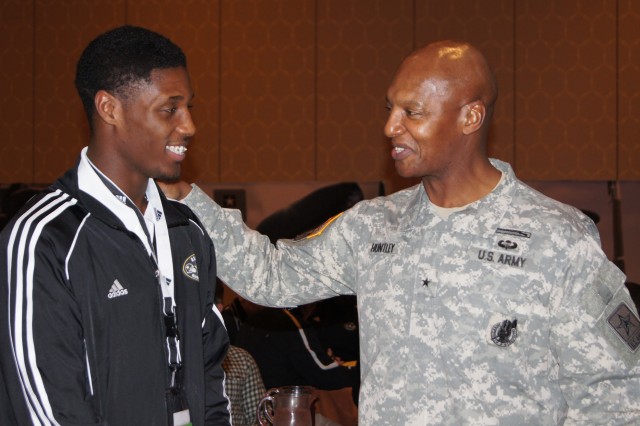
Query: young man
{"x": 107, "y": 298}
{"x": 480, "y": 300}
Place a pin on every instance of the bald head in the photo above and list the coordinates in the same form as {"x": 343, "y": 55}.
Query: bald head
{"x": 457, "y": 70}
{"x": 440, "y": 105}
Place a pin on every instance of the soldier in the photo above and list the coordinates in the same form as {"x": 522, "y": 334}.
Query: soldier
{"x": 480, "y": 300}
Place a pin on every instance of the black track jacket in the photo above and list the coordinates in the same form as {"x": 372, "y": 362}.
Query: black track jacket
{"x": 74, "y": 351}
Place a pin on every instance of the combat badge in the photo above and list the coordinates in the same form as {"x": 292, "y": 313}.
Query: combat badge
{"x": 626, "y": 326}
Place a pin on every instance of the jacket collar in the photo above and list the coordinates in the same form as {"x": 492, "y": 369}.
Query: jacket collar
{"x": 93, "y": 204}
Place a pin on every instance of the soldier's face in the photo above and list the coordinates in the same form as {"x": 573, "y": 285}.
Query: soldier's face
{"x": 424, "y": 125}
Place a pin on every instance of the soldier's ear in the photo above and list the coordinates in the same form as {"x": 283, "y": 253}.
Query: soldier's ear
{"x": 474, "y": 115}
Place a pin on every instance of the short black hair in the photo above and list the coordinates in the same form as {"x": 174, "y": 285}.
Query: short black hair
{"x": 118, "y": 60}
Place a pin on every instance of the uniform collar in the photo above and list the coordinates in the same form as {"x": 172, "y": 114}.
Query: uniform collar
{"x": 483, "y": 214}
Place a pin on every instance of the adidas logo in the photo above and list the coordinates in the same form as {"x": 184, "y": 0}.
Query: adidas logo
{"x": 117, "y": 290}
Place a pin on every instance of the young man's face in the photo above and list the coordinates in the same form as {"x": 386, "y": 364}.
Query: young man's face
{"x": 157, "y": 125}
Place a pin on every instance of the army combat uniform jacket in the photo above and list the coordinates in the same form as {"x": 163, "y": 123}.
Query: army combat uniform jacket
{"x": 507, "y": 312}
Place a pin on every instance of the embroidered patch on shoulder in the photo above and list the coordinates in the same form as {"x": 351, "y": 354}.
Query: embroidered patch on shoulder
{"x": 318, "y": 230}
{"x": 190, "y": 268}
{"x": 626, "y": 325}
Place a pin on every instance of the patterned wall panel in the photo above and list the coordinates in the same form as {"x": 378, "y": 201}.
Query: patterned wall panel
{"x": 629, "y": 90}
{"x": 267, "y": 90}
{"x": 62, "y": 29}
{"x": 566, "y": 89}
{"x": 16, "y": 86}
{"x": 360, "y": 44}
{"x": 488, "y": 25}
{"x": 291, "y": 89}
{"x": 194, "y": 26}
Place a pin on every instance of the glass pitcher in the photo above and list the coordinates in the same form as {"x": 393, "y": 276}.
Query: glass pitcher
{"x": 288, "y": 406}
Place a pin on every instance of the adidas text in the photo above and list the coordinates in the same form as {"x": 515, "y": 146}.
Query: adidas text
{"x": 117, "y": 293}
{"x": 117, "y": 290}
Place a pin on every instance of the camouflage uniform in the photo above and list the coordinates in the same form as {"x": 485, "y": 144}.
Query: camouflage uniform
{"x": 508, "y": 312}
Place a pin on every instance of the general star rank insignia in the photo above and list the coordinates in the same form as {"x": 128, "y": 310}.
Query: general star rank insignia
{"x": 626, "y": 326}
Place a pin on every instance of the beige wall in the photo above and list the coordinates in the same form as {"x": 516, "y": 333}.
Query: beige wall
{"x": 293, "y": 90}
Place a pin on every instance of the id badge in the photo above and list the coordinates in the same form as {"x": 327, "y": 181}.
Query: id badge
{"x": 182, "y": 418}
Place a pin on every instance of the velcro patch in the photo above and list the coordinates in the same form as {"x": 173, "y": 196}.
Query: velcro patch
{"x": 616, "y": 319}
{"x": 626, "y": 326}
